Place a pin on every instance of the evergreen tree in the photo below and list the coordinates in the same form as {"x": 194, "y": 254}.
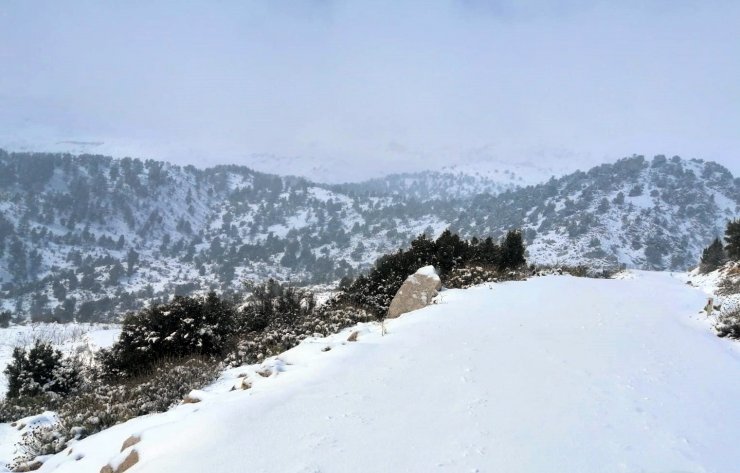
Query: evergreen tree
{"x": 713, "y": 257}
{"x": 732, "y": 237}
{"x": 40, "y": 370}
{"x": 451, "y": 251}
{"x": 184, "y": 327}
{"x": 5, "y": 318}
{"x": 132, "y": 259}
{"x": 512, "y": 250}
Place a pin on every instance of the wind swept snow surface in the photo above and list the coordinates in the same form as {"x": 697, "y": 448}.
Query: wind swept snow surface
{"x": 556, "y": 374}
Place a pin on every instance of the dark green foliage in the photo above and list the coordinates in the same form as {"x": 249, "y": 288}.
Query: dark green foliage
{"x": 732, "y": 237}
{"x": 713, "y": 257}
{"x": 184, "y": 327}
{"x": 452, "y": 251}
{"x": 39, "y": 370}
{"x": 512, "y": 251}
{"x": 374, "y": 291}
{"x": 272, "y": 304}
{"x": 5, "y": 317}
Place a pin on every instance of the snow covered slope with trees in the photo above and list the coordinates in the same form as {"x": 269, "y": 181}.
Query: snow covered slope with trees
{"x": 90, "y": 237}
{"x": 554, "y": 374}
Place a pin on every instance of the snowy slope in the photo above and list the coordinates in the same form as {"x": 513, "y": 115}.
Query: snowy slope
{"x": 555, "y": 374}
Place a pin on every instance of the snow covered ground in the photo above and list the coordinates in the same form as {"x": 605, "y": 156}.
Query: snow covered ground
{"x": 556, "y": 374}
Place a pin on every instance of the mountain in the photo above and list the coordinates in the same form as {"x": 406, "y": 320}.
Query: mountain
{"x": 655, "y": 214}
{"x": 553, "y": 374}
{"x": 91, "y": 237}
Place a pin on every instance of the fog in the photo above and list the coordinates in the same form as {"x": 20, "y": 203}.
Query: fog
{"x": 346, "y": 90}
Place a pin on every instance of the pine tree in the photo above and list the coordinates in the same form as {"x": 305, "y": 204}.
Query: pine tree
{"x": 712, "y": 257}
{"x": 451, "y": 251}
{"x": 13, "y": 372}
{"x": 512, "y": 250}
{"x": 38, "y": 371}
{"x": 732, "y": 237}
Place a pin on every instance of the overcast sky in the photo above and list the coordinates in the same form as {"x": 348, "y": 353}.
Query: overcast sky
{"x": 367, "y": 88}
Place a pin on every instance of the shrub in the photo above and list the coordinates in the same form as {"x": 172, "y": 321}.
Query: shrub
{"x": 38, "y": 440}
{"x": 12, "y": 409}
{"x": 373, "y": 292}
{"x": 39, "y": 370}
{"x": 164, "y": 384}
{"x": 280, "y": 336}
{"x": 98, "y": 405}
{"x": 728, "y": 323}
{"x": 730, "y": 284}
{"x": 185, "y": 327}
{"x": 273, "y": 303}
{"x": 462, "y": 278}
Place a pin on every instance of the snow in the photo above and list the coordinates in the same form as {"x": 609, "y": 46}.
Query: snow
{"x": 556, "y": 374}
{"x": 428, "y": 271}
{"x": 12, "y": 434}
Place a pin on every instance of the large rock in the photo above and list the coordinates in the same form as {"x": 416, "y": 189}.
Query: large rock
{"x": 416, "y": 292}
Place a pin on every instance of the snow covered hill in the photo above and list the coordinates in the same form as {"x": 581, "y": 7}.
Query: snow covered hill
{"x": 555, "y": 374}
{"x": 90, "y": 237}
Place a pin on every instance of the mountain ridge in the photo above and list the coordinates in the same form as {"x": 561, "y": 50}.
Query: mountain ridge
{"x": 86, "y": 235}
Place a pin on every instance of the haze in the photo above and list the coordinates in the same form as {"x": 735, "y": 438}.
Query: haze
{"x": 347, "y": 90}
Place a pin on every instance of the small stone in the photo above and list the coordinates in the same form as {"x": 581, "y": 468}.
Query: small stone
{"x": 130, "y": 442}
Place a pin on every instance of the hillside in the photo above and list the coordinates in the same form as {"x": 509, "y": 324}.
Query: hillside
{"x": 651, "y": 214}
{"x": 551, "y": 374}
{"x": 91, "y": 237}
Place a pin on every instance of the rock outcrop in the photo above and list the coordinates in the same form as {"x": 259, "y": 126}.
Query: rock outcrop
{"x": 416, "y": 292}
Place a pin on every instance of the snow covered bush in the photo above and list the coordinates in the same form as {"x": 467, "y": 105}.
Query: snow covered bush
{"x": 273, "y": 303}
{"x": 279, "y": 336}
{"x": 98, "y": 405}
{"x": 102, "y": 405}
{"x": 461, "y": 278}
{"x": 12, "y": 409}
{"x": 37, "y": 440}
{"x": 185, "y": 327}
{"x": 730, "y": 282}
{"x": 728, "y": 323}
{"x": 40, "y": 370}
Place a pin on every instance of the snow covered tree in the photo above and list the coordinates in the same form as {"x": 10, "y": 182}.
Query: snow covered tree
{"x": 732, "y": 237}
{"x": 713, "y": 257}
{"x": 184, "y": 327}
{"x": 39, "y": 370}
{"x": 451, "y": 251}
